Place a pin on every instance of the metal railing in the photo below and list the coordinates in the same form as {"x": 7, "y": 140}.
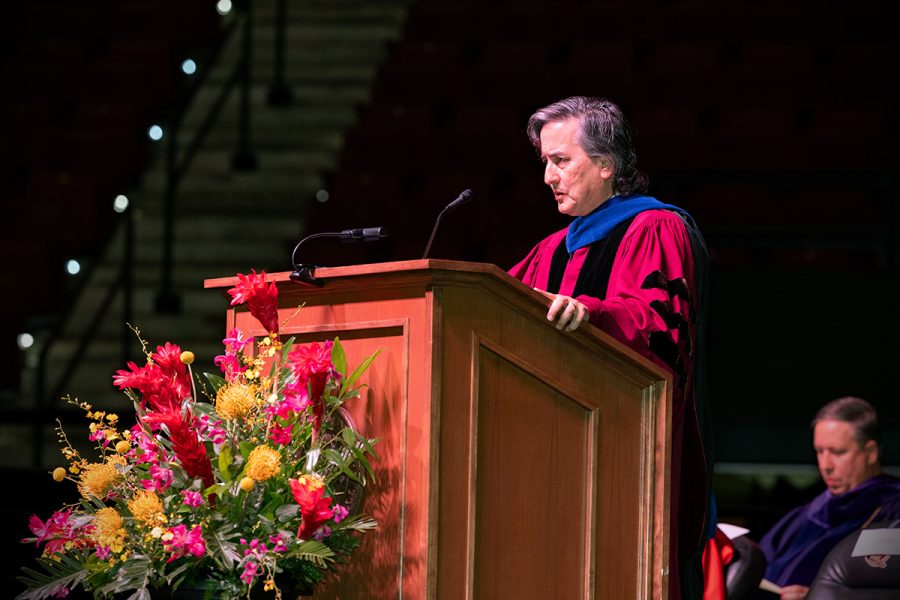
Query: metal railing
{"x": 240, "y": 22}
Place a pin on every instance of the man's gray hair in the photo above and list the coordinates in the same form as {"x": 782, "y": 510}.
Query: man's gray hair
{"x": 603, "y": 132}
{"x": 858, "y": 413}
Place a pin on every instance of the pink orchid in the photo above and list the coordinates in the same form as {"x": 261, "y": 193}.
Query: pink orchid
{"x": 185, "y": 542}
{"x": 250, "y": 571}
{"x": 281, "y": 435}
{"x": 60, "y": 529}
{"x": 339, "y": 513}
{"x": 236, "y": 342}
{"x": 278, "y": 541}
{"x": 161, "y": 479}
{"x": 145, "y": 449}
{"x": 211, "y": 430}
{"x": 192, "y": 498}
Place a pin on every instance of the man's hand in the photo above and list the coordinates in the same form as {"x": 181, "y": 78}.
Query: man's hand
{"x": 568, "y": 312}
{"x": 794, "y": 592}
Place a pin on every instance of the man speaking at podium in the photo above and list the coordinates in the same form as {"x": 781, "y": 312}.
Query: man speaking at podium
{"x": 636, "y": 268}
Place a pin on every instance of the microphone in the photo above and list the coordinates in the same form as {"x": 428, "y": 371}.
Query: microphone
{"x": 304, "y": 272}
{"x": 463, "y": 197}
{"x": 367, "y": 234}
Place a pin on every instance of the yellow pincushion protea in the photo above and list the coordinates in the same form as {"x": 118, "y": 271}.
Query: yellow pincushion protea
{"x": 97, "y": 479}
{"x": 109, "y": 530}
{"x": 147, "y": 508}
{"x": 235, "y": 401}
{"x": 263, "y": 463}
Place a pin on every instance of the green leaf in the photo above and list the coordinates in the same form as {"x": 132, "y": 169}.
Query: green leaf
{"x": 339, "y": 357}
{"x": 207, "y": 409}
{"x": 286, "y": 512}
{"x": 273, "y": 501}
{"x": 365, "y": 364}
{"x": 337, "y": 459}
{"x": 246, "y": 449}
{"x": 216, "y": 381}
{"x": 219, "y": 489}
{"x": 362, "y": 459}
{"x": 349, "y": 436}
{"x": 369, "y": 445}
{"x": 225, "y": 463}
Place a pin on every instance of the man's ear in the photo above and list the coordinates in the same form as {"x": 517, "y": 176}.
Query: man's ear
{"x": 871, "y": 449}
{"x": 607, "y": 167}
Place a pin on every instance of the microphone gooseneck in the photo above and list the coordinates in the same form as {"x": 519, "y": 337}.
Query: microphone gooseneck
{"x": 463, "y": 197}
{"x": 305, "y": 272}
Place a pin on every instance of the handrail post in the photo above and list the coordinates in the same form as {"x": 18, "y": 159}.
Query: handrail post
{"x": 280, "y": 93}
{"x": 244, "y": 159}
{"x": 167, "y": 300}
{"x": 127, "y": 283}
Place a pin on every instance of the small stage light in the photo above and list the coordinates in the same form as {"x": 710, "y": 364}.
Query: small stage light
{"x": 223, "y": 7}
{"x": 25, "y": 341}
{"x": 120, "y": 204}
{"x": 155, "y": 133}
{"x": 189, "y": 67}
{"x": 323, "y": 195}
{"x": 73, "y": 267}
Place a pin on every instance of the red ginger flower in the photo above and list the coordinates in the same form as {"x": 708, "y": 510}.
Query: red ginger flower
{"x": 261, "y": 298}
{"x": 163, "y": 382}
{"x": 185, "y": 444}
{"x": 315, "y": 507}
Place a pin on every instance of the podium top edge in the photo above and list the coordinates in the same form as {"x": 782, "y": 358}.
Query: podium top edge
{"x": 394, "y": 267}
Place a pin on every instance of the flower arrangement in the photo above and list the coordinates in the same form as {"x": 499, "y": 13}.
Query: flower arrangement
{"x": 259, "y": 481}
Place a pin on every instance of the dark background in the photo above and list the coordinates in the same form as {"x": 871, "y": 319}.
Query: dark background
{"x": 773, "y": 123}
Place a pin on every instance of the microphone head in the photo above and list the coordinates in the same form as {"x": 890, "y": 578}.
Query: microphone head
{"x": 463, "y": 197}
{"x": 374, "y": 233}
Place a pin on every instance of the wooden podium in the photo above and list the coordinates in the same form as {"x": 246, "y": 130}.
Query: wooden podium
{"x": 516, "y": 461}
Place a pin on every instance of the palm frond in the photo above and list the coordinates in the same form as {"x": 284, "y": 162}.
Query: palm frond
{"x": 64, "y": 572}
{"x": 357, "y": 523}
{"x": 221, "y": 549}
{"x": 133, "y": 574}
{"x": 314, "y": 552}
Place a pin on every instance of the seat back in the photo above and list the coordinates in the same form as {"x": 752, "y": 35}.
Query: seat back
{"x": 846, "y": 577}
{"x": 746, "y": 569}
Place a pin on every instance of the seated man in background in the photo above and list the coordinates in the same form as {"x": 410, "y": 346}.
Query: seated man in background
{"x": 846, "y": 438}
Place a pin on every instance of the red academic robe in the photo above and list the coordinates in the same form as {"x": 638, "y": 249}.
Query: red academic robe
{"x": 651, "y": 302}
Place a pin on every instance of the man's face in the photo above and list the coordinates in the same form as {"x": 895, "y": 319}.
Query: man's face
{"x": 579, "y": 183}
{"x": 843, "y": 463}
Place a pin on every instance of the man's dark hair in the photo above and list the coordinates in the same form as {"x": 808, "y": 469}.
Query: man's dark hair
{"x": 603, "y": 132}
{"x": 856, "y": 411}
